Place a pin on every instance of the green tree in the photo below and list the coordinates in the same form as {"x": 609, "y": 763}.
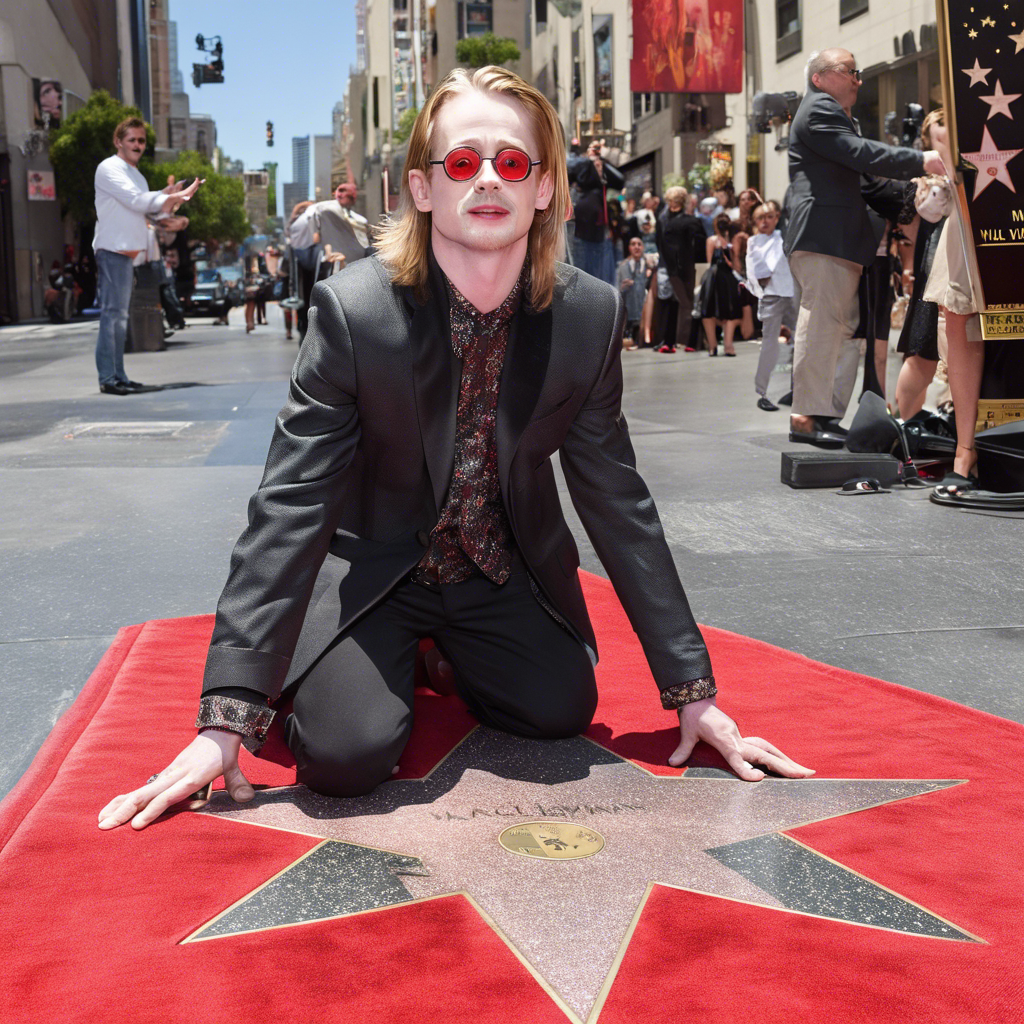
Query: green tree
{"x": 405, "y": 123}
{"x": 218, "y": 208}
{"x": 271, "y": 168}
{"x": 479, "y": 51}
{"x": 80, "y": 143}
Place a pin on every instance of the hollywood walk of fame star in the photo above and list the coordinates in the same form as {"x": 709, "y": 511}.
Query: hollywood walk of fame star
{"x": 1019, "y": 40}
{"x": 990, "y": 163}
{"x": 977, "y": 73}
{"x": 999, "y": 102}
{"x": 705, "y": 832}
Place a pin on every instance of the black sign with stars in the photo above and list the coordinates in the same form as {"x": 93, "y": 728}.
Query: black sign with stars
{"x": 983, "y": 82}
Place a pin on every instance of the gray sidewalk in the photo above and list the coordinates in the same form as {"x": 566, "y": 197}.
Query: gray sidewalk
{"x": 120, "y": 509}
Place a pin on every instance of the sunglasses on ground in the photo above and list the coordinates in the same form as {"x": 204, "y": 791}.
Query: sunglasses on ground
{"x": 464, "y": 163}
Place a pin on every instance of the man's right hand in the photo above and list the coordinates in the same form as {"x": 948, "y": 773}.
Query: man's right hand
{"x": 933, "y": 162}
{"x": 211, "y": 754}
{"x": 175, "y": 199}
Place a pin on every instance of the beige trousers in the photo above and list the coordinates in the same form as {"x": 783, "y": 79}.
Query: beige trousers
{"x": 825, "y": 357}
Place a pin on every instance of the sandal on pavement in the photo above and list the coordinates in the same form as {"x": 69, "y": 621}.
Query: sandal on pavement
{"x": 958, "y": 482}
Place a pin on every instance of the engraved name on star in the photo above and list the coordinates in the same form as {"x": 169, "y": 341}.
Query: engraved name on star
{"x": 999, "y": 102}
{"x": 977, "y": 73}
{"x": 991, "y": 162}
{"x": 438, "y": 836}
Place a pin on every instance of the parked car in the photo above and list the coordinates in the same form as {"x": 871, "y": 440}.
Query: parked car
{"x": 210, "y": 296}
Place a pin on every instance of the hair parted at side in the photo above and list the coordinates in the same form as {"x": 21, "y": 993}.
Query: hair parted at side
{"x": 125, "y": 126}
{"x": 404, "y": 241}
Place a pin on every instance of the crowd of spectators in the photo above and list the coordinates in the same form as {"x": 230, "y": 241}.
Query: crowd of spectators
{"x": 680, "y": 260}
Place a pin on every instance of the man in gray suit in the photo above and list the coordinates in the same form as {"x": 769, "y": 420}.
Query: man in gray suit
{"x": 830, "y": 237}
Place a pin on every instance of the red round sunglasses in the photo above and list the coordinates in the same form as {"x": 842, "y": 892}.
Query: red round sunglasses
{"x": 463, "y": 163}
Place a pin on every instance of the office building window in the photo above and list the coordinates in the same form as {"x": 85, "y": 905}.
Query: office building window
{"x": 787, "y": 29}
{"x": 851, "y": 8}
{"x": 474, "y": 19}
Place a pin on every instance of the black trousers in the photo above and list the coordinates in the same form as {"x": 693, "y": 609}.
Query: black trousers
{"x": 515, "y": 667}
{"x": 683, "y": 283}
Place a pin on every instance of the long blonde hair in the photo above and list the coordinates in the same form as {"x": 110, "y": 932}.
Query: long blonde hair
{"x": 404, "y": 241}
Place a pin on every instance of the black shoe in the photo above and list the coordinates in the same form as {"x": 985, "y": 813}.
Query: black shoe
{"x": 830, "y": 424}
{"x": 117, "y": 388}
{"x": 133, "y": 385}
{"x": 765, "y": 404}
{"x": 819, "y": 438}
{"x": 786, "y": 399}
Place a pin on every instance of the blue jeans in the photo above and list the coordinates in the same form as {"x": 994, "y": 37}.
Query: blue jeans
{"x": 596, "y": 258}
{"x": 116, "y": 276}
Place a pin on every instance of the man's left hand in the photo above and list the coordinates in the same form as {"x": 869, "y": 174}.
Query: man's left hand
{"x": 703, "y": 720}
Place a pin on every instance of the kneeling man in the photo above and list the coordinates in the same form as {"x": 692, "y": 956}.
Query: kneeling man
{"x": 409, "y": 490}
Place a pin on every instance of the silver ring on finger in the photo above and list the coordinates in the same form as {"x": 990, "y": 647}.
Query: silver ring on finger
{"x": 153, "y": 778}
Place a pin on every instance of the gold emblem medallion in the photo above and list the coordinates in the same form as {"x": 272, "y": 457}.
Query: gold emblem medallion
{"x": 552, "y": 840}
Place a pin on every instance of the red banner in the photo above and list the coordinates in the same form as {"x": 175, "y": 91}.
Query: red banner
{"x": 687, "y": 46}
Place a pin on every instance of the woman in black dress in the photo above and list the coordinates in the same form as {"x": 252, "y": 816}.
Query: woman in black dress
{"x": 919, "y": 337}
{"x": 719, "y": 300}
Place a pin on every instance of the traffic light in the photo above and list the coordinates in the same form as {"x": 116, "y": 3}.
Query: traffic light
{"x": 270, "y": 133}
{"x": 212, "y": 72}
{"x": 208, "y": 73}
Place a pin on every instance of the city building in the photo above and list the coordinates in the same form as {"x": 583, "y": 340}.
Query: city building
{"x": 321, "y": 147}
{"x": 300, "y": 161}
{"x": 190, "y": 131}
{"x": 293, "y": 192}
{"x": 72, "y": 47}
{"x": 339, "y": 140}
{"x": 507, "y": 19}
{"x": 159, "y": 73}
{"x": 581, "y": 54}
{"x": 257, "y": 188}
{"x": 177, "y": 78}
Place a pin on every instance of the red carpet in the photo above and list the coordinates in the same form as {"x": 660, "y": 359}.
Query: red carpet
{"x": 91, "y": 922}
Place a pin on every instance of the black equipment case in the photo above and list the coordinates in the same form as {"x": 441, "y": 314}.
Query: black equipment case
{"x": 833, "y": 469}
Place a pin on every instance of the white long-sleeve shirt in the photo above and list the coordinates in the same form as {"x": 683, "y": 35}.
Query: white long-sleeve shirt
{"x": 765, "y": 258}
{"x": 300, "y": 231}
{"x": 123, "y": 201}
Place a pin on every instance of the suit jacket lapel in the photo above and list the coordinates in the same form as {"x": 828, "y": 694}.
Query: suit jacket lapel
{"x": 522, "y": 377}
{"x": 436, "y": 377}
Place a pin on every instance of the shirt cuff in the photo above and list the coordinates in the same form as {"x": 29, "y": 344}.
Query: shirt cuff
{"x": 248, "y": 720}
{"x": 686, "y": 693}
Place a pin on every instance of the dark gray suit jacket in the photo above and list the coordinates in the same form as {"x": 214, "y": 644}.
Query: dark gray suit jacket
{"x": 361, "y": 460}
{"x": 827, "y": 156}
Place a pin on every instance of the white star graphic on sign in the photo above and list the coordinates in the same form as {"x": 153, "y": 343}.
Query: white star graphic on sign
{"x": 977, "y": 73}
{"x": 990, "y": 163}
{"x": 1019, "y": 40}
{"x": 1000, "y": 101}
{"x": 435, "y": 837}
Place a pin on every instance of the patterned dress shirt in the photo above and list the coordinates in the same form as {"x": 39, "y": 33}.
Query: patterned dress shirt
{"x": 473, "y": 536}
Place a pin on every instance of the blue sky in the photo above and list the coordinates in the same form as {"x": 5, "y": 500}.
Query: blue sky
{"x": 285, "y": 61}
